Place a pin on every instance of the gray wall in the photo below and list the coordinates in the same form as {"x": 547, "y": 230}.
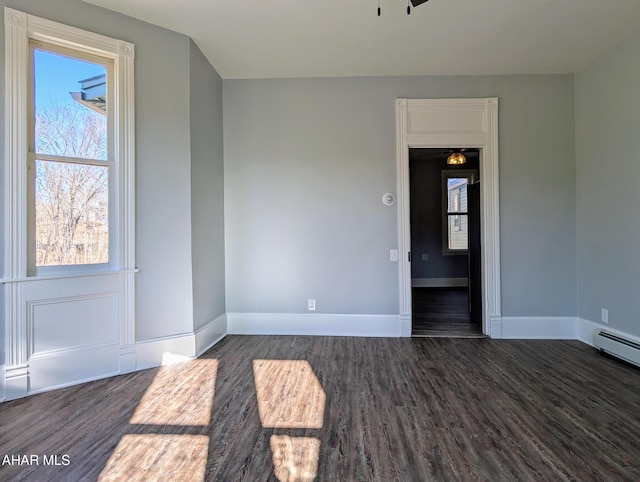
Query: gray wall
{"x": 306, "y": 164}
{"x": 608, "y": 169}
{"x": 164, "y": 298}
{"x": 207, "y": 190}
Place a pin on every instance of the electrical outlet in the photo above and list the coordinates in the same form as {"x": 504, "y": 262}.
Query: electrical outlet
{"x": 311, "y": 305}
{"x": 605, "y": 315}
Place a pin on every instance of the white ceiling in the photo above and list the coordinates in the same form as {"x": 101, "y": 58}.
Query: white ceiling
{"x": 320, "y": 38}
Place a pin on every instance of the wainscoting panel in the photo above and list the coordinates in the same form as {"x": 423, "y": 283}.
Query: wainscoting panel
{"x": 66, "y": 323}
{"x": 73, "y": 329}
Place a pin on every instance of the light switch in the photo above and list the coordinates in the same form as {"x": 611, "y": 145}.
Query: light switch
{"x": 393, "y": 255}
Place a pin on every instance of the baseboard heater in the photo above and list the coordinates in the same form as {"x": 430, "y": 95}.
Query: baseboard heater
{"x": 617, "y": 346}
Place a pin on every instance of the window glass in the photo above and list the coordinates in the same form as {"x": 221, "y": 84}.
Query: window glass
{"x": 70, "y": 106}
{"x": 72, "y": 213}
{"x": 458, "y": 232}
{"x": 69, "y": 158}
{"x": 457, "y": 194}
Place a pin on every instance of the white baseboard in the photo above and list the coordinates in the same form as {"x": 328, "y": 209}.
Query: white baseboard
{"x": 586, "y": 329}
{"x": 164, "y": 351}
{"x": 153, "y": 353}
{"x": 439, "y": 282}
{"x": 534, "y": 327}
{"x": 145, "y": 354}
{"x": 61, "y": 369}
{"x": 73, "y": 383}
{"x": 65, "y": 368}
{"x": 313, "y": 324}
{"x": 210, "y": 333}
{"x": 16, "y": 381}
{"x": 127, "y": 359}
{"x": 167, "y": 350}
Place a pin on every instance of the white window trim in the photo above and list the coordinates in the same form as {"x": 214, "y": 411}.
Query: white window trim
{"x": 19, "y": 28}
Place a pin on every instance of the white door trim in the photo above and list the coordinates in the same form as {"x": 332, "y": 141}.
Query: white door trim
{"x": 434, "y": 123}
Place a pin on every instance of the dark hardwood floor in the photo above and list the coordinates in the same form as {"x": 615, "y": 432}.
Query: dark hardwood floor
{"x": 341, "y": 409}
{"x": 442, "y": 312}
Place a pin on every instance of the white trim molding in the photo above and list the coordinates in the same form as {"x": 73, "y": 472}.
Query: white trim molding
{"x": 210, "y": 333}
{"x": 313, "y": 324}
{"x": 22, "y": 290}
{"x": 537, "y": 327}
{"x": 585, "y": 329}
{"x": 447, "y": 123}
{"x": 164, "y": 351}
{"x": 185, "y": 346}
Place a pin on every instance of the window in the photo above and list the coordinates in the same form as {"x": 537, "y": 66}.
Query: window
{"x": 455, "y": 215}
{"x": 69, "y": 150}
{"x": 70, "y": 157}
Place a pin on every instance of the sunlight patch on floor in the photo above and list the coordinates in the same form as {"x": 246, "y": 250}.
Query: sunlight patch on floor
{"x": 158, "y": 457}
{"x": 295, "y": 459}
{"x": 180, "y": 394}
{"x": 289, "y": 394}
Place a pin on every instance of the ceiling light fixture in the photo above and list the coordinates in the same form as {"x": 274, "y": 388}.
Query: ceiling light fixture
{"x": 456, "y": 159}
{"x": 415, "y": 3}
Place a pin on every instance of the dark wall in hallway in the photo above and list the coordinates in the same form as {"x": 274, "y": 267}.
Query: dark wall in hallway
{"x": 425, "y": 170}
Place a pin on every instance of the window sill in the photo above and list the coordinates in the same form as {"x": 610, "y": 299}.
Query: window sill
{"x": 67, "y": 275}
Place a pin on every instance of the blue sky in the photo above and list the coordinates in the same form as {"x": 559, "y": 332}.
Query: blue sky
{"x": 56, "y": 76}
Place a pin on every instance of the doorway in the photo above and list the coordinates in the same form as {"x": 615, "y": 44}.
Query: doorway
{"x": 446, "y": 276}
{"x": 440, "y": 123}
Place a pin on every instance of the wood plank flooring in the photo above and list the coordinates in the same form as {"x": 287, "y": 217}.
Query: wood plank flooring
{"x": 342, "y": 409}
{"x": 442, "y": 312}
